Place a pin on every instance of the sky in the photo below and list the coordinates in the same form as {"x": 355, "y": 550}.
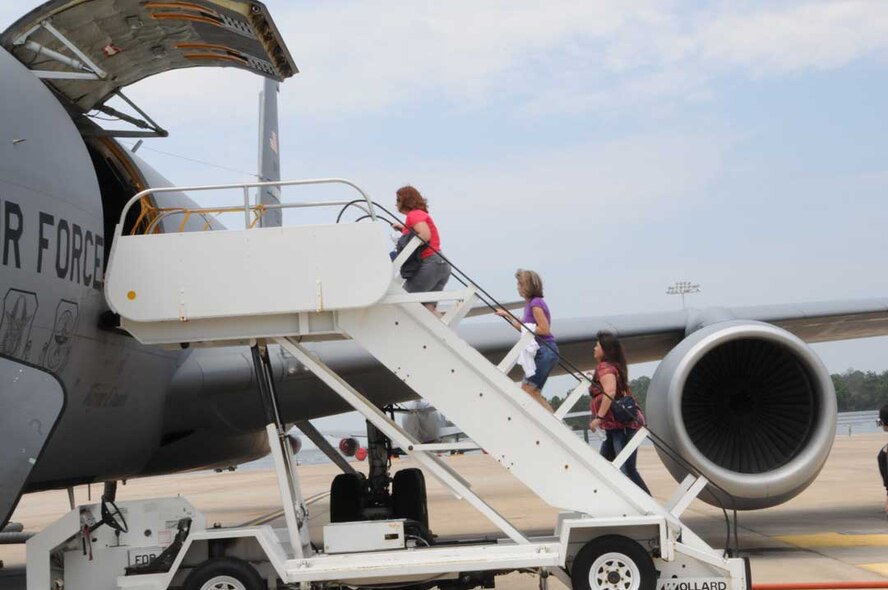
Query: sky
{"x": 614, "y": 147}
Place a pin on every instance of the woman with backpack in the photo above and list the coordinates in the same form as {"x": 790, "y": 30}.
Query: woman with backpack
{"x": 433, "y": 271}
{"x": 610, "y": 384}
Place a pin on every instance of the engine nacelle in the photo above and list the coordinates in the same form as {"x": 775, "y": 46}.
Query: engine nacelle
{"x": 349, "y": 446}
{"x": 422, "y": 421}
{"x": 748, "y": 404}
{"x": 295, "y": 443}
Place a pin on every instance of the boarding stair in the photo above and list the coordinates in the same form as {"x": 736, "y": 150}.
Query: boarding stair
{"x": 298, "y": 284}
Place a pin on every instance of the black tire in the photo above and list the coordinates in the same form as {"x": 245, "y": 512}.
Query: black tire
{"x": 409, "y": 496}
{"x": 224, "y": 573}
{"x": 347, "y": 498}
{"x": 612, "y": 562}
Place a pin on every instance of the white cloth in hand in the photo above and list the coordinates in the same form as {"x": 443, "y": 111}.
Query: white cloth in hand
{"x": 525, "y": 359}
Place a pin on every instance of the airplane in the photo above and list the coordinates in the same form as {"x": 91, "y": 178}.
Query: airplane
{"x": 82, "y": 402}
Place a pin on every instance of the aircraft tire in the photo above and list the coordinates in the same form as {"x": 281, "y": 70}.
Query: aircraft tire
{"x": 613, "y": 561}
{"x": 347, "y": 498}
{"x": 409, "y": 496}
{"x": 224, "y": 572}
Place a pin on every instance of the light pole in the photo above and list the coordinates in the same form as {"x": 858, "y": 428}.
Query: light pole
{"x": 682, "y": 288}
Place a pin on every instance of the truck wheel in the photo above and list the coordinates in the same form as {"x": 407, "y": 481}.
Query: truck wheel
{"x": 347, "y": 498}
{"x": 613, "y": 562}
{"x": 409, "y": 496}
{"x": 224, "y": 573}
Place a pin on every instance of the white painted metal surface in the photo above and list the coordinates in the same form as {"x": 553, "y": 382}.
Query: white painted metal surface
{"x": 630, "y": 447}
{"x": 459, "y": 486}
{"x": 494, "y": 412}
{"x": 511, "y": 359}
{"x": 295, "y": 512}
{"x": 152, "y": 525}
{"x": 571, "y": 400}
{"x": 225, "y": 274}
{"x": 424, "y": 562}
{"x": 357, "y": 537}
{"x": 681, "y": 504}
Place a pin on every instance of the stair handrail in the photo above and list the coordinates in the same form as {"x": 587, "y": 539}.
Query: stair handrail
{"x": 365, "y": 201}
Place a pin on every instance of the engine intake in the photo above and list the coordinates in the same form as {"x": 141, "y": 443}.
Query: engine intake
{"x": 748, "y": 404}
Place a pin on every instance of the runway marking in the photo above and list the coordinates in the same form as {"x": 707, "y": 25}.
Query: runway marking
{"x": 817, "y": 540}
{"x": 879, "y": 568}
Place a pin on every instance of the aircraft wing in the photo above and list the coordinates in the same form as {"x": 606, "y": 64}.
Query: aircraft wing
{"x": 89, "y": 49}
{"x": 650, "y": 336}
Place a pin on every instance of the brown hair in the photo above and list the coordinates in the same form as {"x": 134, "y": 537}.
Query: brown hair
{"x": 531, "y": 281}
{"x": 409, "y": 198}
{"x": 613, "y": 353}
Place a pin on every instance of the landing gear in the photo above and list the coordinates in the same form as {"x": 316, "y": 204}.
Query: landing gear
{"x": 348, "y": 494}
{"x": 409, "y": 496}
{"x": 355, "y": 497}
{"x": 379, "y": 459}
{"x": 613, "y": 562}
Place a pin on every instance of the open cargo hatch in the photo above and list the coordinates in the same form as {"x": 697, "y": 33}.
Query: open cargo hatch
{"x": 87, "y": 50}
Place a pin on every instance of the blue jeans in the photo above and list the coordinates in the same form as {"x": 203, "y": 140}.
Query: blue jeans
{"x": 611, "y": 447}
{"x": 545, "y": 360}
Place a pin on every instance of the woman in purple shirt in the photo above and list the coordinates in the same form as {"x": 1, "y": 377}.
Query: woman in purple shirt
{"x": 530, "y": 287}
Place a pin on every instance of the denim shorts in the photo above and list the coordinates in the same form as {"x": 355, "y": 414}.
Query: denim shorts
{"x": 545, "y": 360}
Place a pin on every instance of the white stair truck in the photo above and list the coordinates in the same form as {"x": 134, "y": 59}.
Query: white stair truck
{"x": 225, "y": 288}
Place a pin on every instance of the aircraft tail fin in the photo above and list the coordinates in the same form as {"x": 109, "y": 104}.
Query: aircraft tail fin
{"x": 269, "y": 153}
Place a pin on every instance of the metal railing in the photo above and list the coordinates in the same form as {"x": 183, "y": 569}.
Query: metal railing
{"x": 249, "y": 209}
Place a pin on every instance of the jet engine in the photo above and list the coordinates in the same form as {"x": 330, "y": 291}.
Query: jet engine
{"x": 422, "y": 421}
{"x": 295, "y": 443}
{"x": 749, "y": 405}
{"x": 349, "y": 446}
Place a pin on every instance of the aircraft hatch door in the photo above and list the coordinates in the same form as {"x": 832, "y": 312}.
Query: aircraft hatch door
{"x": 31, "y": 402}
{"x": 87, "y": 50}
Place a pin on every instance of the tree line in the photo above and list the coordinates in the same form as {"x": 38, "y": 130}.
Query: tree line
{"x": 855, "y": 391}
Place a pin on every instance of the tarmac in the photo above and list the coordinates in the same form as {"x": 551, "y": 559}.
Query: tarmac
{"x": 836, "y": 530}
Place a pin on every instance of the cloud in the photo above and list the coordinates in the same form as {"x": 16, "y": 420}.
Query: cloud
{"x": 562, "y": 56}
{"x": 611, "y": 181}
{"x": 573, "y": 197}
{"x": 369, "y": 56}
{"x": 530, "y": 58}
{"x": 806, "y": 36}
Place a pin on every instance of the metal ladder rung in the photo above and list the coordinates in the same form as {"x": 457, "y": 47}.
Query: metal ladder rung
{"x": 456, "y": 313}
{"x": 630, "y": 447}
{"x": 309, "y": 430}
{"x": 511, "y": 358}
{"x": 423, "y": 297}
{"x": 438, "y": 447}
{"x": 571, "y": 400}
{"x": 404, "y": 254}
{"x": 689, "y": 489}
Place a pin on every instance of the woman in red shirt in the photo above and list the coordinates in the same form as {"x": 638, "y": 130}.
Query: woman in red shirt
{"x": 610, "y": 382}
{"x": 434, "y": 271}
